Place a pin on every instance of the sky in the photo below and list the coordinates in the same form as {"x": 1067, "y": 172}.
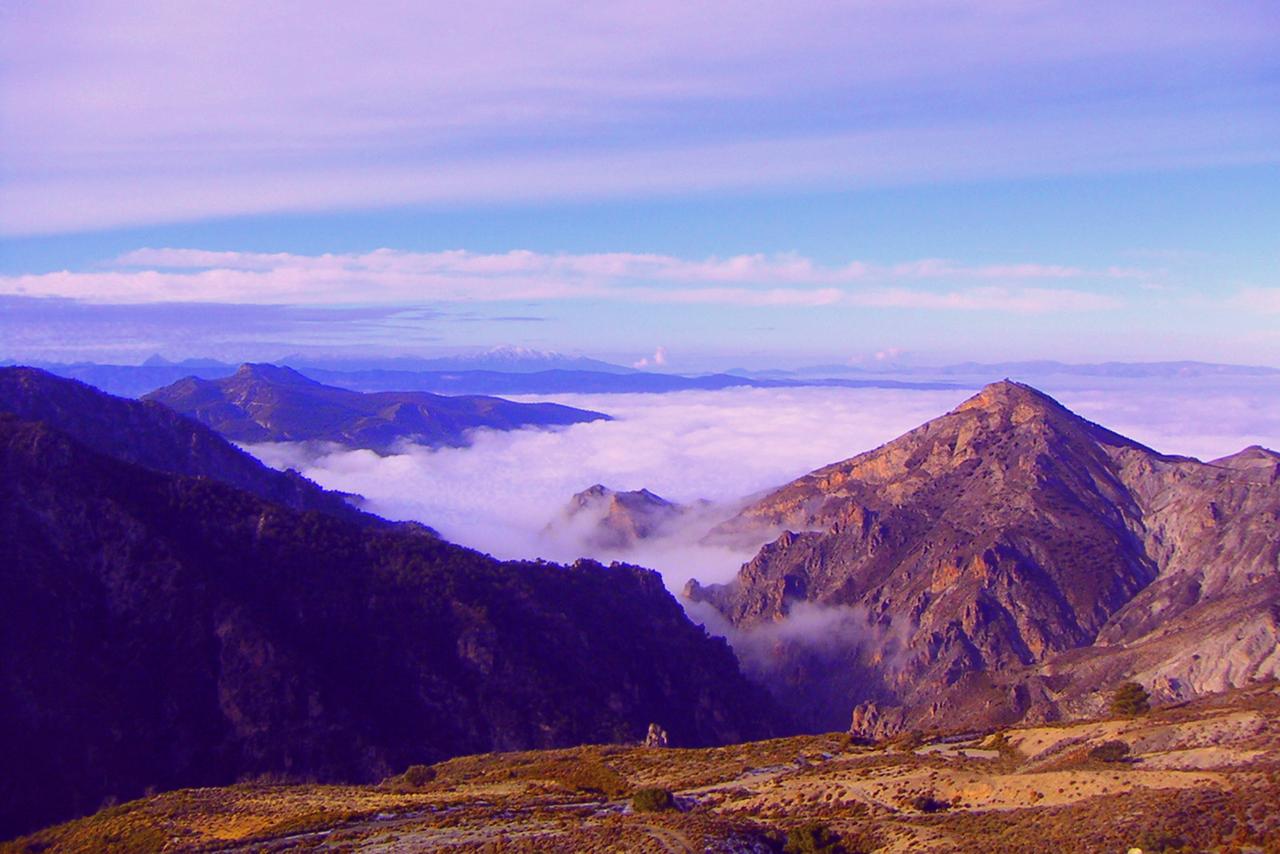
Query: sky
{"x": 727, "y": 183}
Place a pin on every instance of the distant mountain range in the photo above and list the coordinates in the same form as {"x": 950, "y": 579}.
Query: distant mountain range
{"x": 1010, "y": 561}
{"x": 162, "y": 630}
{"x": 515, "y": 371}
{"x": 505, "y": 359}
{"x": 138, "y": 380}
{"x": 583, "y": 382}
{"x": 269, "y": 403}
{"x": 986, "y": 371}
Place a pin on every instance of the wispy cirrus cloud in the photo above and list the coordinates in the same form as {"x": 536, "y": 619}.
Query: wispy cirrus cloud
{"x": 1259, "y": 299}
{"x": 1019, "y": 300}
{"x": 387, "y": 276}
{"x": 145, "y": 112}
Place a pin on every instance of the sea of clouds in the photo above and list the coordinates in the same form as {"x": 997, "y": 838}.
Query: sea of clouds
{"x": 500, "y": 494}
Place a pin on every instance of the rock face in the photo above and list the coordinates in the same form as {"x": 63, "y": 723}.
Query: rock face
{"x": 166, "y": 631}
{"x": 269, "y": 403}
{"x": 1011, "y": 559}
{"x": 612, "y": 520}
{"x": 656, "y": 737}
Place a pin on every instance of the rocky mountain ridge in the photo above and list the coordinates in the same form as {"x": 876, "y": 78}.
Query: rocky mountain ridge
{"x": 1018, "y": 559}
{"x": 270, "y": 403}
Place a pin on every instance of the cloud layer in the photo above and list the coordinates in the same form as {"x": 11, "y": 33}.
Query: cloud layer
{"x": 386, "y": 277}
{"x": 500, "y": 494}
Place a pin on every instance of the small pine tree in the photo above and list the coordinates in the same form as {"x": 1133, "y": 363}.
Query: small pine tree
{"x": 1130, "y": 700}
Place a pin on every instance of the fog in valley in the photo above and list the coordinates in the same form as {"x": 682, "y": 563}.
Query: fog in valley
{"x": 500, "y": 494}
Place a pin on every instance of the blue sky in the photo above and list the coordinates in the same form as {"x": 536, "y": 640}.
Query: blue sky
{"x": 734, "y": 183}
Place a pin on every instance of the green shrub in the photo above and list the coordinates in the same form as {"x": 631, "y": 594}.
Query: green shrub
{"x": 652, "y": 799}
{"x": 929, "y": 803}
{"x": 414, "y": 777}
{"x": 813, "y": 838}
{"x": 852, "y": 740}
{"x": 418, "y": 775}
{"x": 1130, "y": 700}
{"x": 1110, "y": 751}
{"x": 908, "y": 740}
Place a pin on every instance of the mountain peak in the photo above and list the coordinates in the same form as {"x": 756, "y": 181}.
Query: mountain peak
{"x": 278, "y": 374}
{"x": 1006, "y": 396}
{"x": 1254, "y": 456}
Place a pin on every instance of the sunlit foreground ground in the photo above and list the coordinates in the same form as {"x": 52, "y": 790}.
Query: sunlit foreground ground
{"x": 1198, "y": 776}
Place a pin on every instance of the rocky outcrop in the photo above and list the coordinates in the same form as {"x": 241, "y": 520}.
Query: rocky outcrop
{"x": 270, "y": 403}
{"x": 1026, "y": 559}
{"x": 612, "y": 521}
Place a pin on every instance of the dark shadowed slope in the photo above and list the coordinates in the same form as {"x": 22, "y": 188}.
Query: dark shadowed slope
{"x": 268, "y": 403}
{"x": 1011, "y": 558}
{"x": 169, "y": 631}
{"x": 153, "y": 435}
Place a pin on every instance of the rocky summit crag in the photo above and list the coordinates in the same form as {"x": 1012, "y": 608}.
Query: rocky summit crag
{"x": 1011, "y": 560}
{"x": 612, "y": 520}
{"x": 270, "y": 403}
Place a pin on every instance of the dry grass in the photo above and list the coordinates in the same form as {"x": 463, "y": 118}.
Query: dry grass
{"x": 1201, "y": 776}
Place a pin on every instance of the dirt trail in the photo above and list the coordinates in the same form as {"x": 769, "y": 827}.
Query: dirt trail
{"x": 672, "y": 841}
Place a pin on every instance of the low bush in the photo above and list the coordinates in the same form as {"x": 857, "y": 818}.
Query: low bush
{"x": 652, "y": 799}
{"x": 1129, "y": 700}
{"x": 908, "y": 740}
{"x": 1110, "y": 751}
{"x": 414, "y": 777}
{"x": 929, "y": 803}
{"x": 813, "y": 838}
{"x": 1162, "y": 842}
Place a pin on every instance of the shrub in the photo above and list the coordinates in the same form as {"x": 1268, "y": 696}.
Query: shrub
{"x": 908, "y": 740}
{"x": 1130, "y": 700}
{"x": 1160, "y": 842}
{"x": 414, "y": 777}
{"x": 1110, "y": 751}
{"x": 813, "y": 838}
{"x": 928, "y": 803}
{"x": 652, "y": 799}
{"x": 418, "y": 775}
{"x": 852, "y": 740}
